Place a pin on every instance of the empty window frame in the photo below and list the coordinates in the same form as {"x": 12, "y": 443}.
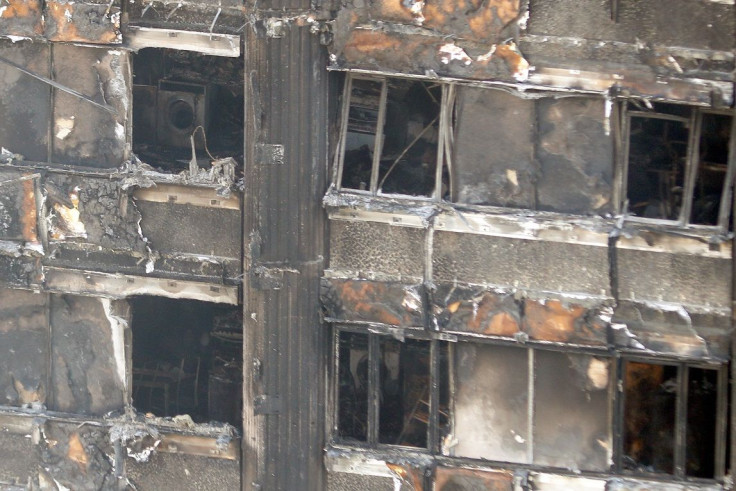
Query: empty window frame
{"x": 525, "y": 405}
{"x": 387, "y": 390}
{"x": 673, "y": 419}
{"x": 395, "y": 137}
{"x": 678, "y": 164}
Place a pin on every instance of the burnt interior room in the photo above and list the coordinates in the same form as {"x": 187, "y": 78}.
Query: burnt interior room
{"x": 187, "y": 359}
{"x": 399, "y": 378}
{"x": 405, "y": 115}
{"x": 175, "y": 93}
{"x": 667, "y": 144}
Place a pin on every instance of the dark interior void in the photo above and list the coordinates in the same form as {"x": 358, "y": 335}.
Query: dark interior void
{"x": 652, "y": 394}
{"x": 177, "y": 92}
{"x": 403, "y": 389}
{"x": 408, "y": 143}
{"x": 187, "y": 358}
{"x": 659, "y": 144}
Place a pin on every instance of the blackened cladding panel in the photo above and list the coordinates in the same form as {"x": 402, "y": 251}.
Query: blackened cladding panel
{"x": 537, "y": 265}
{"x": 575, "y": 156}
{"x": 700, "y": 25}
{"x": 377, "y": 247}
{"x": 491, "y": 402}
{"x": 174, "y": 228}
{"x": 86, "y": 373}
{"x": 493, "y": 159}
{"x": 25, "y": 103}
{"x": 84, "y": 134}
{"x": 183, "y": 472}
{"x": 23, "y": 347}
{"x": 678, "y": 278}
{"x": 571, "y": 411}
{"x": 19, "y": 458}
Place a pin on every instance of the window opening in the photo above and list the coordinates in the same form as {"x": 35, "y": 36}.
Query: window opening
{"x": 678, "y": 164}
{"x": 385, "y": 390}
{"x": 187, "y": 358}
{"x": 180, "y": 94}
{"x": 672, "y": 417}
{"x": 394, "y": 138}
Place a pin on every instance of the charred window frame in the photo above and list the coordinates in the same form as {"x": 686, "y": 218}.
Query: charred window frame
{"x": 395, "y": 137}
{"x": 389, "y": 391}
{"x": 668, "y": 432}
{"x": 638, "y": 416}
{"x": 677, "y": 164}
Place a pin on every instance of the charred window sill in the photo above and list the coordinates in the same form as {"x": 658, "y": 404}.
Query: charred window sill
{"x": 342, "y": 457}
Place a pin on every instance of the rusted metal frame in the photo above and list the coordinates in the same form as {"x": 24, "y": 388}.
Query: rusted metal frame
{"x": 680, "y": 454}
{"x": 339, "y": 159}
{"x": 721, "y": 424}
{"x": 691, "y": 165}
{"x": 374, "y": 387}
{"x": 726, "y": 196}
{"x": 378, "y": 143}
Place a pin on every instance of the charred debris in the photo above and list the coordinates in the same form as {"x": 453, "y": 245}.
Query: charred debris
{"x": 409, "y": 245}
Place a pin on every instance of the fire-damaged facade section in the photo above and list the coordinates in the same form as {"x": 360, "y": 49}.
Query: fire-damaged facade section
{"x": 530, "y": 245}
{"x": 397, "y": 244}
{"x": 120, "y": 259}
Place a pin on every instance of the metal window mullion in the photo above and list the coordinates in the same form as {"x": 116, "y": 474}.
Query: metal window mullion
{"x": 618, "y": 413}
{"x": 680, "y": 453}
{"x": 440, "y": 158}
{"x": 340, "y": 153}
{"x": 374, "y": 388}
{"x": 530, "y": 407}
{"x": 723, "y": 212}
{"x": 721, "y": 423}
{"x": 378, "y": 143}
{"x": 691, "y": 165}
{"x": 433, "y": 428}
{"x": 623, "y": 204}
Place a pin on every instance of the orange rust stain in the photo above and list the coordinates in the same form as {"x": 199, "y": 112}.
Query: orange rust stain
{"x": 447, "y": 478}
{"x": 67, "y": 31}
{"x": 392, "y": 10}
{"x": 21, "y": 8}
{"x": 364, "y": 41}
{"x": 486, "y": 316}
{"x": 28, "y": 217}
{"x": 367, "y": 298}
{"x": 502, "y": 324}
{"x": 481, "y": 19}
{"x": 24, "y": 9}
{"x": 76, "y": 452}
{"x": 513, "y": 59}
{"x": 408, "y": 475}
{"x": 551, "y": 321}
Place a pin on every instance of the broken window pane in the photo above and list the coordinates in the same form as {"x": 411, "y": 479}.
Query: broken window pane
{"x": 571, "y": 411}
{"x": 712, "y": 165}
{"x": 702, "y": 408}
{"x": 409, "y": 154}
{"x": 360, "y": 138}
{"x": 491, "y": 402}
{"x": 650, "y": 402}
{"x": 657, "y": 165}
{"x": 187, "y": 359}
{"x": 353, "y": 386}
{"x": 405, "y": 392}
